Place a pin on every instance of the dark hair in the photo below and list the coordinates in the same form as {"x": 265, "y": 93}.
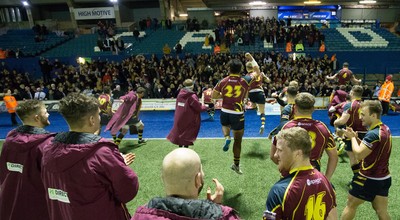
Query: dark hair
{"x": 304, "y": 101}
{"x": 235, "y": 66}
{"x": 346, "y": 64}
{"x": 29, "y": 108}
{"x": 106, "y": 90}
{"x": 75, "y": 106}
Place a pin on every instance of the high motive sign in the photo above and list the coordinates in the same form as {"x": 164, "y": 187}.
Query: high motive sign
{"x": 94, "y": 13}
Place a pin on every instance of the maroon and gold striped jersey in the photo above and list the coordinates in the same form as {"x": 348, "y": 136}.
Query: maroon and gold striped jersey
{"x": 376, "y": 164}
{"x": 234, "y": 89}
{"x": 303, "y": 194}
{"x": 353, "y": 109}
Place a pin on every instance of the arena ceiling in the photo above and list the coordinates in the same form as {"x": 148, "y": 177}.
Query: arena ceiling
{"x": 216, "y": 4}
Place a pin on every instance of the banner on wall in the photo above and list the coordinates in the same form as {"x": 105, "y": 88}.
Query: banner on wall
{"x": 271, "y": 107}
{"x": 94, "y": 13}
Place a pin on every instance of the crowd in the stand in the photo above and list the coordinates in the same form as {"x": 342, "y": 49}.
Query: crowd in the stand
{"x": 277, "y": 32}
{"x": 163, "y": 77}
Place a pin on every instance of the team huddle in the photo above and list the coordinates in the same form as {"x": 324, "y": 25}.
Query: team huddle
{"x": 80, "y": 175}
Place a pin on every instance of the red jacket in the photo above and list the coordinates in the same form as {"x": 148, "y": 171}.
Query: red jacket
{"x": 183, "y": 209}
{"x": 186, "y": 119}
{"x": 22, "y": 194}
{"x": 85, "y": 178}
{"x": 124, "y": 112}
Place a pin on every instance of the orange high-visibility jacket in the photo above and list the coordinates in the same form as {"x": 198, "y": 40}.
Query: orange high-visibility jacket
{"x": 11, "y": 103}
{"x": 386, "y": 91}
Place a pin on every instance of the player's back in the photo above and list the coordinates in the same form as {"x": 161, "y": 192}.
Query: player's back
{"x": 321, "y": 137}
{"x": 234, "y": 89}
{"x": 344, "y": 76}
{"x": 353, "y": 109}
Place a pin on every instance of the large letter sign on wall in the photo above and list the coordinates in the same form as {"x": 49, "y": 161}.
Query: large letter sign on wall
{"x": 189, "y": 37}
{"x": 374, "y": 40}
{"x": 94, "y": 13}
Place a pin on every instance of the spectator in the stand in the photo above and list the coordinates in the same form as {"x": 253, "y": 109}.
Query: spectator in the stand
{"x": 160, "y": 92}
{"x": 178, "y": 48}
{"x": 117, "y": 92}
{"x": 59, "y": 93}
{"x": 377, "y": 88}
{"x": 166, "y": 49}
{"x": 3, "y": 54}
{"x": 136, "y": 34}
{"x": 100, "y": 44}
{"x": 367, "y": 92}
{"x": 46, "y": 68}
{"x": 39, "y": 94}
{"x": 169, "y": 23}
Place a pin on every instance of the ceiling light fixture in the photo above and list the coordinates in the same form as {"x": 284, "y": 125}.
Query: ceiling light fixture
{"x": 367, "y": 2}
{"x": 311, "y": 2}
{"x": 183, "y": 15}
{"x": 25, "y": 3}
{"x": 257, "y": 3}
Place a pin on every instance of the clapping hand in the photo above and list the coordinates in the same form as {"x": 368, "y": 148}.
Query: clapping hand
{"x": 128, "y": 158}
{"x": 219, "y": 192}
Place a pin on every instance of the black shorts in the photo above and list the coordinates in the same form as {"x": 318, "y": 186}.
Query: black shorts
{"x": 210, "y": 105}
{"x": 133, "y": 121}
{"x": 104, "y": 119}
{"x": 236, "y": 122}
{"x": 348, "y": 147}
{"x": 366, "y": 189}
{"x": 257, "y": 97}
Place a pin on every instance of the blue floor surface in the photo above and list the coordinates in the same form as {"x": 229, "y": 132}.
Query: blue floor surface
{"x": 159, "y": 123}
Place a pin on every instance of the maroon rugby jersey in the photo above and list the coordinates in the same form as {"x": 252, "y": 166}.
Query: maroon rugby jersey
{"x": 344, "y": 76}
{"x": 353, "y": 109}
{"x": 304, "y": 194}
{"x": 234, "y": 89}
{"x": 321, "y": 137}
{"x": 207, "y": 95}
{"x": 105, "y": 103}
{"x": 257, "y": 84}
{"x": 376, "y": 164}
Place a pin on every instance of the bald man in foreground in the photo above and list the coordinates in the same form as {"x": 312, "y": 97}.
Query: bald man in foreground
{"x": 183, "y": 179}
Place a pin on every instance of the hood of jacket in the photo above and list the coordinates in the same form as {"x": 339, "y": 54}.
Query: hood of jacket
{"x": 192, "y": 208}
{"x": 25, "y": 137}
{"x": 185, "y": 92}
{"x": 68, "y": 148}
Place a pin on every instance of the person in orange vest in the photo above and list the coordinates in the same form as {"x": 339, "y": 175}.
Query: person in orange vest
{"x": 385, "y": 93}
{"x": 289, "y": 47}
{"x": 11, "y": 105}
{"x": 322, "y": 47}
{"x": 217, "y": 49}
{"x": 3, "y": 54}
